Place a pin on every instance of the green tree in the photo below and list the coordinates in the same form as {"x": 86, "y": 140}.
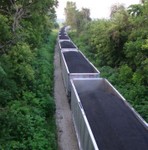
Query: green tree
{"x": 26, "y": 74}
{"x": 76, "y": 18}
{"x": 70, "y": 13}
{"x": 83, "y": 17}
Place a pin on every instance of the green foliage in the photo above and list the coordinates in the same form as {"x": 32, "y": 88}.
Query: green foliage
{"x": 26, "y": 122}
{"x": 4, "y": 29}
{"x": 27, "y": 128}
{"x": 119, "y": 48}
{"x": 2, "y": 72}
{"x": 26, "y": 75}
{"x": 21, "y": 58}
{"x": 70, "y": 12}
{"x": 76, "y": 18}
{"x": 125, "y": 74}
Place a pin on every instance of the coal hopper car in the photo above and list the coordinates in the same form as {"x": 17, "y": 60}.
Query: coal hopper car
{"x": 103, "y": 119}
{"x": 67, "y": 45}
{"x": 75, "y": 65}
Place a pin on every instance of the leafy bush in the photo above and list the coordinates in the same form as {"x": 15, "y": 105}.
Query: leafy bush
{"x": 27, "y": 122}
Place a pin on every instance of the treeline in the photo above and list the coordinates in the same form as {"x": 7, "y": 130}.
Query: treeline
{"x": 119, "y": 48}
{"x": 26, "y": 75}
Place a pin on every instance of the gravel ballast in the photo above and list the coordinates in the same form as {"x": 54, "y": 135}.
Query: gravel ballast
{"x": 113, "y": 124}
{"x": 77, "y": 63}
{"x": 65, "y": 130}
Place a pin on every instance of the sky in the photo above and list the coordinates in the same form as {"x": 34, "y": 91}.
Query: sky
{"x": 98, "y": 8}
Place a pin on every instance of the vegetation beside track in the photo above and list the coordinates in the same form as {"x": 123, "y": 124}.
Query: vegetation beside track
{"x": 26, "y": 75}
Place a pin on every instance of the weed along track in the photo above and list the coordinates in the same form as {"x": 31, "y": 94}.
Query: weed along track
{"x": 102, "y": 118}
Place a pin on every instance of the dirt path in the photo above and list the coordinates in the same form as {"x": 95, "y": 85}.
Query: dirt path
{"x": 66, "y": 133}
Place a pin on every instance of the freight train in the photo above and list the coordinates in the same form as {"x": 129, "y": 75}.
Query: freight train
{"x": 102, "y": 118}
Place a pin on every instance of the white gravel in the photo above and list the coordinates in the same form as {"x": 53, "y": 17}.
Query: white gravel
{"x": 66, "y": 134}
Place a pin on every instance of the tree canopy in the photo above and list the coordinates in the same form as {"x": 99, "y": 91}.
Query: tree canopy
{"x": 76, "y": 18}
{"x": 26, "y": 74}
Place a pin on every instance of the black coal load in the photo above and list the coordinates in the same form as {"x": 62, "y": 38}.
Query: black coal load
{"x": 113, "y": 124}
{"x": 62, "y": 31}
{"x": 63, "y": 37}
{"x": 77, "y": 63}
{"x": 63, "y": 34}
{"x": 67, "y": 44}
